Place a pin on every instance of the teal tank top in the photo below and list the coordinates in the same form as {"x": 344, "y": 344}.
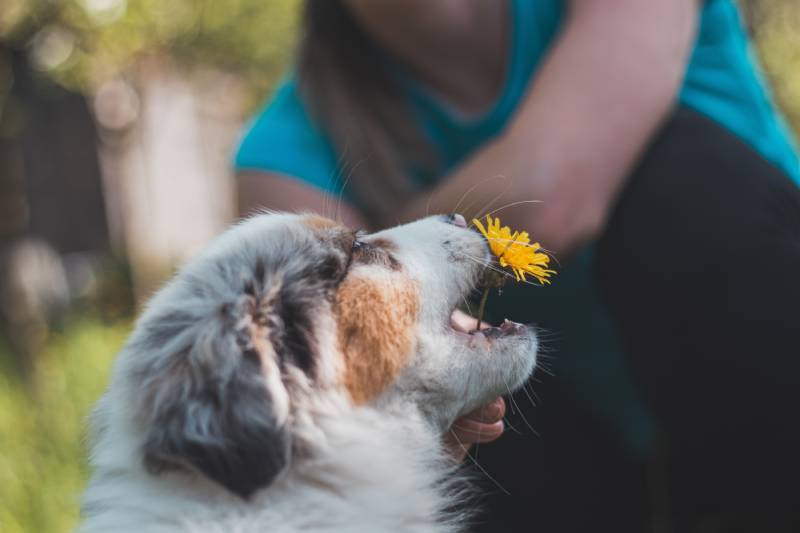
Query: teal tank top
{"x": 722, "y": 82}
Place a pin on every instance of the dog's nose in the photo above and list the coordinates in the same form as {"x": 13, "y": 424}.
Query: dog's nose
{"x": 458, "y": 220}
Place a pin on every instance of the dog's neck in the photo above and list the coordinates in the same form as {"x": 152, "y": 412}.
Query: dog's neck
{"x": 365, "y": 458}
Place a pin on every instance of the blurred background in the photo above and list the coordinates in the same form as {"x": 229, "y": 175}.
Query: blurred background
{"x": 118, "y": 121}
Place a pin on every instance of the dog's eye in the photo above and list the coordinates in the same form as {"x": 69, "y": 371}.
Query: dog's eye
{"x": 358, "y": 244}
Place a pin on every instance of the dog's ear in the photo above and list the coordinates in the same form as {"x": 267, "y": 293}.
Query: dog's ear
{"x": 213, "y": 401}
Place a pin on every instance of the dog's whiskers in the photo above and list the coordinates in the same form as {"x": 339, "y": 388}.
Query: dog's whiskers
{"x": 466, "y": 303}
{"x": 488, "y": 265}
{"x": 502, "y": 193}
{"x": 527, "y": 395}
{"x": 475, "y": 186}
{"x": 488, "y": 206}
{"x": 343, "y": 187}
{"x": 329, "y": 209}
{"x": 512, "y": 204}
{"x": 475, "y": 462}
{"x": 529, "y": 387}
{"x": 495, "y": 269}
{"x": 544, "y": 368}
{"x": 513, "y": 402}
{"x": 510, "y": 426}
{"x": 484, "y": 264}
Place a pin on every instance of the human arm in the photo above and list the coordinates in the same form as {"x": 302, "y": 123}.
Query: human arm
{"x": 608, "y": 82}
{"x": 265, "y": 189}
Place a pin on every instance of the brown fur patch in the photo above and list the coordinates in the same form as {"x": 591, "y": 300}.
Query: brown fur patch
{"x": 375, "y": 323}
{"x": 384, "y": 244}
{"x": 331, "y": 232}
{"x": 375, "y": 253}
{"x": 317, "y": 222}
{"x": 259, "y": 340}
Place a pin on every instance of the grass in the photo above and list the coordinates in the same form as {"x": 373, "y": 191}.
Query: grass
{"x": 43, "y": 468}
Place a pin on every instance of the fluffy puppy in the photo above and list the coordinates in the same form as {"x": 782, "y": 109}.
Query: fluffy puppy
{"x": 298, "y": 376}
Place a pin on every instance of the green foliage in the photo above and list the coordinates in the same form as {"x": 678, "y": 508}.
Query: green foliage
{"x": 83, "y": 42}
{"x": 43, "y": 468}
{"x": 776, "y": 28}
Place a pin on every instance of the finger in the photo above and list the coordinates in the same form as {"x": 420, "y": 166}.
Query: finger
{"x": 470, "y": 432}
{"x": 489, "y": 413}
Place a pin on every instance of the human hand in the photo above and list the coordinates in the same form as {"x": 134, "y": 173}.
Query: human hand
{"x": 480, "y": 426}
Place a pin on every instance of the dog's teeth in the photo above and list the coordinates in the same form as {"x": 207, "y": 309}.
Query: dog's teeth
{"x": 493, "y": 332}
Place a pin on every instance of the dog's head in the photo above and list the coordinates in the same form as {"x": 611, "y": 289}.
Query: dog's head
{"x": 283, "y": 308}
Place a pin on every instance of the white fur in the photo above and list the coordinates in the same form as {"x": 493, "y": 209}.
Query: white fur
{"x": 373, "y": 468}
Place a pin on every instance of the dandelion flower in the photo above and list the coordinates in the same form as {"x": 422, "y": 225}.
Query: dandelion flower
{"x": 515, "y": 250}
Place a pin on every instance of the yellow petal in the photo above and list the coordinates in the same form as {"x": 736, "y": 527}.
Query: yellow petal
{"x": 515, "y": 251}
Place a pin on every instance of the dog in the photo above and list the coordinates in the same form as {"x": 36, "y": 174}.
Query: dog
{"x": 298, "y": 376}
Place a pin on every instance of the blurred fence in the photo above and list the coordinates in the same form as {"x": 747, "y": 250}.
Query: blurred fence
{"x": 165, "y": 149}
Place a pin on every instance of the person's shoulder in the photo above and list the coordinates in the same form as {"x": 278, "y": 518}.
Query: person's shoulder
{"x": 283, "y": 138}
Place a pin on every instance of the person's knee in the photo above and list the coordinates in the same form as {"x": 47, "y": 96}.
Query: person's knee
{"x": 699, "y": 200}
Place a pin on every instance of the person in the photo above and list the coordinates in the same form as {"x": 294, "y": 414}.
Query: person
{"x": 638, "y": 142}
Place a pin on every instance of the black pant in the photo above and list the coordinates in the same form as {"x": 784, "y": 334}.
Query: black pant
{"x": 700, "y": 268}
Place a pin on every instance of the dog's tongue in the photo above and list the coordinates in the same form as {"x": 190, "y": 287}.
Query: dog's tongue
{"x": 464, "y": 323}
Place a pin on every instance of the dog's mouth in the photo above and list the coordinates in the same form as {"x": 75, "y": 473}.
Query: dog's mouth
{"x": 465, "y": 325}
{"x": 491, "y": 277}
{"x": 507, "y": 328}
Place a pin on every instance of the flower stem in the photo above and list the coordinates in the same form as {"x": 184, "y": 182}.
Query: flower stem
{"x": 482, "y": 308}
